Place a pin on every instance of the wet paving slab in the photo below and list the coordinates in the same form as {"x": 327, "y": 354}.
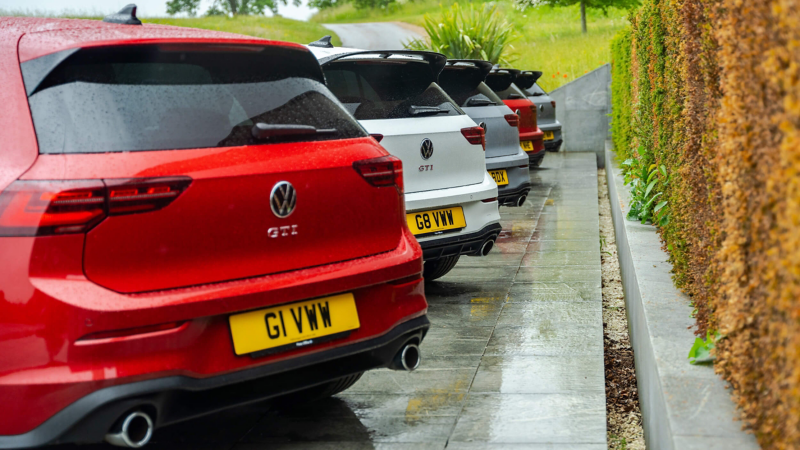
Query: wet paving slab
{"x": 513, "y": 359}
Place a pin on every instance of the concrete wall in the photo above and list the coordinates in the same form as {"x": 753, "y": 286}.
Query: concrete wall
{"x": 583, "y": 107}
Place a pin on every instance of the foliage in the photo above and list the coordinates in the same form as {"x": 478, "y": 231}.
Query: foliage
{"x": 473, "y": 33}
{"x": 714, "y": 97}
{"x": 621, "y": 87}
{"x": 178, "y": 6}
{"x": 700, "y": 353}
{"x": 276, "y": 28}
{"x": 646, "y": 184}
{"x": 602, "y": 5}
{"x": 227, "y": 7}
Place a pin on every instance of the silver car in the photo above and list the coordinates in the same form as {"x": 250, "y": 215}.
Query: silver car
{"x": 506, "y": 162}
{"x": 547, "y": 112}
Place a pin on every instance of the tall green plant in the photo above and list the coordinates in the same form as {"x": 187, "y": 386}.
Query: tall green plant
{"x": 621, "y": 95}
{"x": 468, "y": 33}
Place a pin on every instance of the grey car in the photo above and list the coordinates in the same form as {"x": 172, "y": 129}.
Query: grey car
{"x": 546, "y": 107}
{"x": 506, "y": 162}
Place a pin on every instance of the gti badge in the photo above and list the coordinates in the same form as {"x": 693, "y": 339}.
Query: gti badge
{"x": 426, "y": 148}
{"x": 282, "y": 199}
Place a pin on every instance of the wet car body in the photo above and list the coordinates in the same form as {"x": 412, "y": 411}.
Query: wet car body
{"x": 505, "y": 159}
{"x": 502, "y": 82}
{"x": 147, "y": 220}
{"x": 394, "y": 95}
{"x": 546, "y": 117}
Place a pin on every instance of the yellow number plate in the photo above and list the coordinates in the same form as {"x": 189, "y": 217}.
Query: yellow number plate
{"x": 500, "y": 177}
{"x": 548, "y": 136}
{"x": 527, "y": 146}
{"x": 293, "y": 325}
{"x": 437, "y": 221}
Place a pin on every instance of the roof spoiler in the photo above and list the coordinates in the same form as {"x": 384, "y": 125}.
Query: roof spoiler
{"x": 484, "y": 66}
{"x": 436, "y": 60}
{"x": 500, "y": 79}
{"x": 527, "y": 78}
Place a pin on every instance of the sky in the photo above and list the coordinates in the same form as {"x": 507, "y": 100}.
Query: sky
{"x": 152, "y": 8}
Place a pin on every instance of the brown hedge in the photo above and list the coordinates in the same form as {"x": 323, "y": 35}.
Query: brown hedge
{"x": 716, "y": 98}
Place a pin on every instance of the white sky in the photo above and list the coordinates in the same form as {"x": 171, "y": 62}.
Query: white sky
{"x": 152, "y": 8}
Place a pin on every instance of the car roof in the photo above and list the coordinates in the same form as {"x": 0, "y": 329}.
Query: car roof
{"x": 41, "y": 36}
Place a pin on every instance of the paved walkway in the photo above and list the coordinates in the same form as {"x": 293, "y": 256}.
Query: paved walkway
{"x": 374, "y": 36}
{"x": 514, "y": 355}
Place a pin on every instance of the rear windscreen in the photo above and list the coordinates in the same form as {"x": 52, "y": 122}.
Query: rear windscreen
{"x": 158, "y": 97}
{"x": 388, "y": 89}
{"x": 467, "y": 91}
{"x": 535, "y": 91}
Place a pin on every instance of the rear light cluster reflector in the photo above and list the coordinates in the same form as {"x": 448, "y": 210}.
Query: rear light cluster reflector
{"x": 42, "y": 208}
{"x": 489, "y": 200}
{"x": 382, "y": 171}
{"x": 512, "y": 119}
{"x": 475, "y": 136}
{"x": 138, "y": 331}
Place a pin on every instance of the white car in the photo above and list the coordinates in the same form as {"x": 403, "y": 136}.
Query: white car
{"x": 451, "y": 200}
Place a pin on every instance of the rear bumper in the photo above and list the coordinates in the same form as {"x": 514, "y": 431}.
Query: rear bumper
{"x": 518, "y": 177}
{"x": 177, "y": 398}
{"x": 48, "y": 363}
{"x": 552, "y": 145}
{"x": 463, "y": 244}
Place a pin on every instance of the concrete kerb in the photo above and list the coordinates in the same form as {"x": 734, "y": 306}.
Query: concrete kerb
{"x": 684, "y": 407}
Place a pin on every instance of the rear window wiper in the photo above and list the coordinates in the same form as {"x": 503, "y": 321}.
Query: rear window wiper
{"x": 537, "y": 94}
{"x": 426, "y": 110}
{"x": 480, "y": 102}
{"x": 514, "y": 96}
{"x": 266, "y": 131}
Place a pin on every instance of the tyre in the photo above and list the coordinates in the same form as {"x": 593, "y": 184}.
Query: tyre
{"x": 439, "y": 267}
{"x": 320, "y": 392}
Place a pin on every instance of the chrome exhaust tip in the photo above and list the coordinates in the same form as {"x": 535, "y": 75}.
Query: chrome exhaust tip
{"x": 487, "y": 246}
{"x": 135, "y": 431}
{"x": 408, "y": 358}
{"x": 521, "y": 200}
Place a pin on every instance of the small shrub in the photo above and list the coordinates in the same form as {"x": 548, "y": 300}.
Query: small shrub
{"x": 469, "y": 33}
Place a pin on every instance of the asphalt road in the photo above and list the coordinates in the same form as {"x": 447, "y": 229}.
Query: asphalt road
{"x": 373, "y": 36}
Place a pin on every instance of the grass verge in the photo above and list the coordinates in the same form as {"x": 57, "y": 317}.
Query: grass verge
{"x": 550, "y": 39}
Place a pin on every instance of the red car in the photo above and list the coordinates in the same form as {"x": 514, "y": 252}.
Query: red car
{"x": 531, "y": 138}
{"x": 189, "y": 221}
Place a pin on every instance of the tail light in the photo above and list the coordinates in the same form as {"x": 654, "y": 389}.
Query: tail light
{"x": 378, "y": 137}
{"x": 553, "y": 103}
{"x": 534, "y": 116}
{"x": 475, "y": 136}
{"x": 41, "y": 208}
{"x": 382, "y": 171}
{"x": 512, "y": 119}
{"x": 489, "y": 200}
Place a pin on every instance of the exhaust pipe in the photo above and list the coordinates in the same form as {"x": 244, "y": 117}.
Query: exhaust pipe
{"x": 521, "y": 200}
{"x": 487, "y": 246}
{"x": 408, "y": 358}
{"x": 134, "y": 432}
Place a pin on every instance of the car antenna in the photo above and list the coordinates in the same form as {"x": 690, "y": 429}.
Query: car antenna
{"x": 125, "y": 16}
{"x": 324, "y": 42}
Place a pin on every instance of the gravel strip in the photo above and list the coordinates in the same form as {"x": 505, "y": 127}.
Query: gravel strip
{"x": 622, "y": 397}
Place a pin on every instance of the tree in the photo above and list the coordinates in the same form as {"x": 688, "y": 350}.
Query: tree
{"x": 178, "y": 6}
{"x": 228, "y": 7}
{"x": 602, "y": 5}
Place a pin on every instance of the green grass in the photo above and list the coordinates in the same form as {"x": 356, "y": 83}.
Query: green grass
{"x": 550, "y": 39}
{"x": 276, "y": 28}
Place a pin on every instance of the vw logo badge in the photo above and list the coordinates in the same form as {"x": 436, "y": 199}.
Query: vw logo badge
{"x": 484, "y": 126}
{"x": 426, "y": 148}
{"x": 282, "y": 199}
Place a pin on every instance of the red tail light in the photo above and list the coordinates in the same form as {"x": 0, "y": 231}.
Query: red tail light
{"x": 512, "y": 119}
{"x": 377, "y": 137}
{"x": 553, "y": 102}
{"x": 383, "y": 171}
{"x": 41, "y": 208}
{"x": 475, "y": 136}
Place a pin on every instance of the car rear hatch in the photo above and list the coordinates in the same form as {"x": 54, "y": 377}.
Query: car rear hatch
{"x": 395, "y": 95}
{"x": 202, "y": 163}
{"x": 463, "y": 82}
{"x": 546, "y": 105}
{"x": 501, "y": 81}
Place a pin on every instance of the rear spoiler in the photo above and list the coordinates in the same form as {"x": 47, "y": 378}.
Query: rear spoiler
{"x": 500, "y": 79}
{"x": 463, "y": 75}
{"x": 436, "y": 60}
{"x": 527, "y": 78}
{"x": 484, "y": 66}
